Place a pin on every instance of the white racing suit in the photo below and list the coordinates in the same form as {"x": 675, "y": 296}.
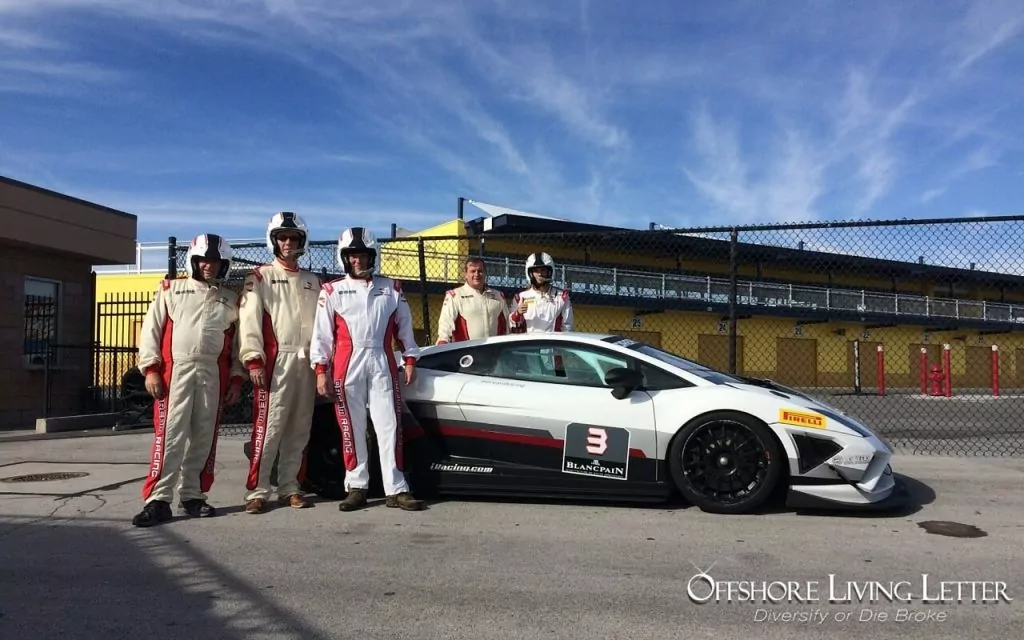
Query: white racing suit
{"x": 190, "y": 337}
{"x": 276, "y": 313}
{"x": 467, "y": 314}
{"x": 357, "y": 325}
{"x": 551, "y": 311}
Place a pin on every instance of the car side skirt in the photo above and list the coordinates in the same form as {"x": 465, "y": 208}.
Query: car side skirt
{"x": 458, "y": 457}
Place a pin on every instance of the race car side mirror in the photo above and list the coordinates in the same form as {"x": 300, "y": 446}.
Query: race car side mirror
{"x": 623, "y": 381}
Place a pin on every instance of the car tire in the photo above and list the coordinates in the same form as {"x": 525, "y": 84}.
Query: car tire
{"x": 325, "y": 463}
{"x": 763, "y": 464}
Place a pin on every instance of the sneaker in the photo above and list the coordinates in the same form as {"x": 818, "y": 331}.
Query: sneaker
{"x": 355, "y": 499}
{"x": 296, "y": 501}
{"x": 256, "y": 505}
{"x": 153, "y": 513}
{"x": 198, "y": 508}
{"x": 404, "y": 501}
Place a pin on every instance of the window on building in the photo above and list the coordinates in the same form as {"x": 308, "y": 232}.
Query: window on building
{"x": 42, "y": 319}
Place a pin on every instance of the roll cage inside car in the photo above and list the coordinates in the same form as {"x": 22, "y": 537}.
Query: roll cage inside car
{"x": 577, "y": 363}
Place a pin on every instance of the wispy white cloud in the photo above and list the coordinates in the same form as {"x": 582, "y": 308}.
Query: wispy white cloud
{"x": 931, "y": 194}
{"x": 987, "y": 26}
{"x": 866, "y": 129}
{"x": 577, "y": 110}
{"x": 405, "y": 52}
{"x": 244, "y": 217}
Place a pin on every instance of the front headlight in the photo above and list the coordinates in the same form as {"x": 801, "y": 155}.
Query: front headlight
{"x": 846, "y": 421}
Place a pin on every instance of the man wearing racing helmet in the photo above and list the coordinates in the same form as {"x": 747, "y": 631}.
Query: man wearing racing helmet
{"x": 276, "y": 312}
{"x": 189, "y": 355}
{"x": 541, "y": 307}
{"x": 358, "y": 320}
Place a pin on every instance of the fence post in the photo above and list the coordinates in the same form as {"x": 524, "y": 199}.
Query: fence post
{"x": 93, "y": 355}
{"x": 423, "y": 290}
{"x": 172, "y": 258}
{"x": 733, "y": 293}
{"x": 47, "y": 378}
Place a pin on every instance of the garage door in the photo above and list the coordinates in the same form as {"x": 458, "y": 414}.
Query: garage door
{"x": 868, "y": 364}
{"x": 978, "y": 370}
{"x": 796, "y": 361}
{"x": 713, "y": 351}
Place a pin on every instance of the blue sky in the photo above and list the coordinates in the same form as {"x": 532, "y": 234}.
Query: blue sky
{"x": 210, "y": 116}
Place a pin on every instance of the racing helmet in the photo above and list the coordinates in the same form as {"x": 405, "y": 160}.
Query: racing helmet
{"x": 212, "y": 247}
{"x": 286, "y": 221}
{"x": 357, "y": 240}
{"x": 540, "y": 260}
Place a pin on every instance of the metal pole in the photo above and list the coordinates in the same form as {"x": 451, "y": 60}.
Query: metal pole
{"x": 733, "y": 293}
{"x": 93, "y": 354}
{"x": 46, "y": 379}
{"x": 172, "y": 258}
{"x": 462, "y": 208}
{"x": 423, "y": 290}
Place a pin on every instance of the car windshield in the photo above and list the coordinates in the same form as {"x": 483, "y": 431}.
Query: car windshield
{"x": 689, "y": 366}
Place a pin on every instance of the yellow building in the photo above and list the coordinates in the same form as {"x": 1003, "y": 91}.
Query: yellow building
{"x": 805, "y": 318}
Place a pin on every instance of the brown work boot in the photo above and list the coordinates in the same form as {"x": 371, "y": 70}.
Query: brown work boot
{"x": 256, "y": 505}
{"x": 296, "y": 501}
{"x": 404, "y": 501}
{"x": 355, "y": 499}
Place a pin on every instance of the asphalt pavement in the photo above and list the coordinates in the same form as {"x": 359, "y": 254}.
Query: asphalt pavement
{"x": 72, "y": 566}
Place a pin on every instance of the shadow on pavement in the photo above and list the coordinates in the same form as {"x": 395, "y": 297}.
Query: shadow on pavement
{"x": 95, "y": 579}
{"x": 913, "y": 493}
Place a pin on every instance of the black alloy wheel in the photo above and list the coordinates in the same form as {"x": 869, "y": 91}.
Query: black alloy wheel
{"x": 726, "y": 462}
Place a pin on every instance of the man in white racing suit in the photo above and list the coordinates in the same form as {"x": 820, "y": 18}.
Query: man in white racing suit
{"x": 473, "y": 310}
{"x": 189, "y": 355}
{"x": 542, "y": 307}
{"x": 276, "y": 313}
{"x": 359, "y": 318}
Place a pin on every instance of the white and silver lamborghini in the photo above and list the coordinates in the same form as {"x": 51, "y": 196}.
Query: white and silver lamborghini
{"x": 602, "y": 416}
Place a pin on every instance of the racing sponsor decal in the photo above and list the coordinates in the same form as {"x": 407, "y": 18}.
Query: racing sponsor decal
{"x": 601, "y": 452}
{"x": 801, "y": 419}
{"x": 460, "y": 468}
{"x": 852, "y": 460}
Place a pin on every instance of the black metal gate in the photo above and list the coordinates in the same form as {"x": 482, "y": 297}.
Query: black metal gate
{"x": 119, "y": 318}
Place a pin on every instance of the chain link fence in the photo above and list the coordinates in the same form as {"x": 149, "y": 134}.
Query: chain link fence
{"x": 913, "y": 326}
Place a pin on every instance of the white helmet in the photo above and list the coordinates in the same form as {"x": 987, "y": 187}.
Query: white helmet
{"x": 538, "y": 261}
{"x": 210, "y": 246}
{"x": 286, "y": 220}
{"x": 357, "y": 240}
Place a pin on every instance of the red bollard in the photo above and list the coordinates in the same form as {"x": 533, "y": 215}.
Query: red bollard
{"x": 924, "y": 371}
{"x": 880, "y": 363}
{"x": 995, "y": 370}
{"x": 949, "y": 370}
